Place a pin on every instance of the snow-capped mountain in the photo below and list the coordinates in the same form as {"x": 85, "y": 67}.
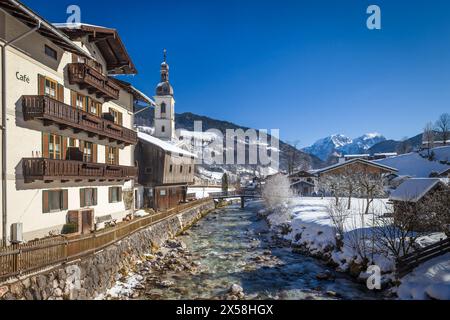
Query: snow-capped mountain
{"x": 338, "y": 144}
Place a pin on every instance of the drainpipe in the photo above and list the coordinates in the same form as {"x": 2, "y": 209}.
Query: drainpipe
{"x": 4, "y": 133}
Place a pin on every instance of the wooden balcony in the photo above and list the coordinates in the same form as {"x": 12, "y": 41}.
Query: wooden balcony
{"x": 95, "y": 82}
{"x": 51, "y": 111}
{"x": 48, "y": 170}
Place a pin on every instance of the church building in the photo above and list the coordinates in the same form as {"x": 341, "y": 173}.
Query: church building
{"x": 165, "y": 170}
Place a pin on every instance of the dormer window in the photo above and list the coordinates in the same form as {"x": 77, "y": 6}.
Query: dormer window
{"x": 50, "y": 52}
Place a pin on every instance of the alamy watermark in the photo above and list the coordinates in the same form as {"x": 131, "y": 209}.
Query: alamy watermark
{"x": 374, "y": 20}
{"x": 233, "y": 146}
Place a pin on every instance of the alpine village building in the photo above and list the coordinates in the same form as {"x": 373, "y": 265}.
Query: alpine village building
{"x": 68, "y": 139}
{"x": 165, "y": 169}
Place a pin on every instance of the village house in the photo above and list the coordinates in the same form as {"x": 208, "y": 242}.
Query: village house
{"x": 356, "y": 166}
{"x": 303, "y": 183}
{"x": 413, "y": 195}
{"x": 165, "y": 170}
{"x": 68, "y": 138}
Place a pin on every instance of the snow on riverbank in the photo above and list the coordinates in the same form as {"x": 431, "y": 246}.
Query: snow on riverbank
{"x": 312, "y": 229}
{"x": 430, "y": 280}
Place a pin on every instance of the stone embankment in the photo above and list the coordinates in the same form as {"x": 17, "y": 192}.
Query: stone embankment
{"x": 93, "y": 275}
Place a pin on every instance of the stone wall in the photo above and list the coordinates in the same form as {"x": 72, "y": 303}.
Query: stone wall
{"x": 93, "y": 275}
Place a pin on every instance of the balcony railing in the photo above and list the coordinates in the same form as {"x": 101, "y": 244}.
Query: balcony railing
{"x": 92, "y": 80}
{"x": 52, "y": 111}
{"x": 48, "y": 170}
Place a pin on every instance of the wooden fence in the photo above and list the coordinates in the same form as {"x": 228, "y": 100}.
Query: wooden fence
{"x": 408, "y": 262}
{"x": 35, "y": 256}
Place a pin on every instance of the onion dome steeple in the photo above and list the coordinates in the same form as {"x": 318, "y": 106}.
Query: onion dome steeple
{"x": 164, "y": 88}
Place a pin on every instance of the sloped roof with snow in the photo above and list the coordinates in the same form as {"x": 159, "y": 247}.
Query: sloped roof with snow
{"x": 413, "y": 190}
{"x": 414, "y": 165}
{"x": 166, "y": 146}
{"x": 367, "y": 162}
{"x": 440, "y": 153}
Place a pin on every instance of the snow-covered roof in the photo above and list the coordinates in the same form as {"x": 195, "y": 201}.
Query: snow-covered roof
{"x": 387, "y": 154}
{"x": 414, "y": 165}
{"x": 413, "y": 190}
{"x": 166, "y": 146}
{"x": 370, "y": 163}
{"x": 366, "y": 155}
{"x": 439, "y": 154}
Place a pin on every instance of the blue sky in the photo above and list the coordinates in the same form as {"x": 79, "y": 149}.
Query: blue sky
{"x": 309, "y": 68}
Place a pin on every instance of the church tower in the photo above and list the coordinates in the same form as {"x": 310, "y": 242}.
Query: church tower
{"x": 165, "y": 105}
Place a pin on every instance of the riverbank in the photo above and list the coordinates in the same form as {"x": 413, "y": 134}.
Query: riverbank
{"x": 306, "y": 224}
{"x": 232, "y": 254}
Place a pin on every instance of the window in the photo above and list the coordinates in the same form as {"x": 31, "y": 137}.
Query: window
{"x": 190, "y": 169}
{"x": 163, "y": 108}
{"x": 148, "y": 170}
{"x": 50, "y": 88}
{"x": 171, "y": 168}
{"x": 163, "y": 129}
{"x": 54, "y": 200}
{"x": 117, "y": 116}
{"x": 51, "y": 52}
{"x": 112, "y": 155}
{"x": 55, "y": 147}
{"x": 88, "y": 197}
{"x": 162, "y": 193}
{"x": 115, "y": 194}
{"x": 94, "y": 107}
{"x": 88, "y": 152}
{"x": 72, "y": 143}
{"x": 80, "y": 101}
{"x": 181, "y": 169}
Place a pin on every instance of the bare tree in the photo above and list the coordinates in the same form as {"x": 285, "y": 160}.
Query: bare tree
{"x": 443, "y": 126}
{"x": 428, "y": 137}
{"x": 334, "y": 185}
{"x": 397, "y": 233}
{"x": 357, "y": 238}
{"x": 404, "y": 146}
{"x": 338, "y": 214}
{"x": 370, "y": 186}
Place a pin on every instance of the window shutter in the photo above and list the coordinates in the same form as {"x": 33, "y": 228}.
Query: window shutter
{"x": 116, "y": 158}
{"x": 81, "y": 146}
{"x": 41, "y": 85}
{"x": 94, "y": 195}
{"x": 95, "y": 153}
{"x": 120, "y": 116}
{"x": 119, "y": 192}
{"x": 64, "y": 148}
{"x": 82, "y": 198}
{"x": 65, "y": 202}
{"x": 74, "y": 58}
{"x": 45, "y": 202}
{"x": 45, "y": 141}
{"x": 73, "y": 98}
{"x": 110, "y": 195}
{"x": 87, "y": 104}
{"x": 99, "y": 109}
{"x": 60, "y": 93}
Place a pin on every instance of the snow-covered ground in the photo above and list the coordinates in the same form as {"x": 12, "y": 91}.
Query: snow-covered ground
{"x": 430, "y": 280}
{"x": 313, "y": 229}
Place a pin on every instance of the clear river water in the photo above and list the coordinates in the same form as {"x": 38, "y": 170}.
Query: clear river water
{"x": 234, "y": 246}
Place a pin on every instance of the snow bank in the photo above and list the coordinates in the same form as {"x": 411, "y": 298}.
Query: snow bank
{"x": 431, "y": 280}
